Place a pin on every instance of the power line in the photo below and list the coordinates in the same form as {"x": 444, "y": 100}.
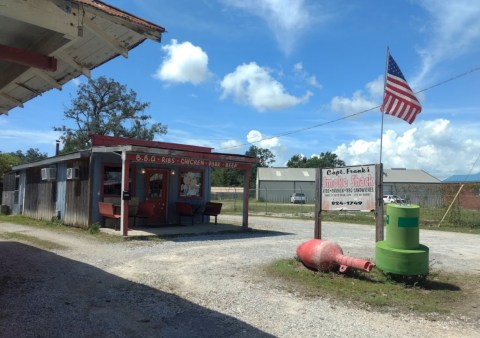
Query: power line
{"x": 301, "y": 129}
{"x": 455, "y": 77}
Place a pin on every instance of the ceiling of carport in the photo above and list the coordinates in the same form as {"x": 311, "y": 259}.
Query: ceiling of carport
{"x": 46, "y": 43}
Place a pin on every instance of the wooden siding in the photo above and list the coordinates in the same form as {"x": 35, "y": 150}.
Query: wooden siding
{"x": 77, "y": 196}
{"x": 8, "y": 194}
{"x": 40, "y": 196}
{"x": 8, "y": 198}
{"x": 9, "y": 181}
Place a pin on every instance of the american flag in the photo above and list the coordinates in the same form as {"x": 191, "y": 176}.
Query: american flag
{"x": 399, "y": 100}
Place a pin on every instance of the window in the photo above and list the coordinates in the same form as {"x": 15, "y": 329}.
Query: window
{"x": 191, "y": 184}
{"x": 112, "y": 180}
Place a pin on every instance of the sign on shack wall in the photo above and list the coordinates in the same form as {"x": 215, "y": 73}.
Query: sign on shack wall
{"x": 348, "y": 188}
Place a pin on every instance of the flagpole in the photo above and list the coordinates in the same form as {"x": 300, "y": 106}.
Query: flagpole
{"x": 384, "y": 86}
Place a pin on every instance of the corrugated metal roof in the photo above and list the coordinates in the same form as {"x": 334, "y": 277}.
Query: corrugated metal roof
{"x": 308, "y": 174}
{"x": 286, "y": 174}
{"x": 474, "y": 178}
{"x": 408, "y": 176}
{"x": 77, "y": 35}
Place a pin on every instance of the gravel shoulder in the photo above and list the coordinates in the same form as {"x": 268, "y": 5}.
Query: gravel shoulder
{"x": 202, "y": 286}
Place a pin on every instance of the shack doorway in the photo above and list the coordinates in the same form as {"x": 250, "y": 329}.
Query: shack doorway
{"x": 156, "y": 184}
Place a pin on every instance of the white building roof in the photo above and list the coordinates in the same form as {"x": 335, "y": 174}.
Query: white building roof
{"x": 286, "y": 174}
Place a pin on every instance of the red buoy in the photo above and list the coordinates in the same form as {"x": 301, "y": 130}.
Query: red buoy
{"x": 326, "y": 256}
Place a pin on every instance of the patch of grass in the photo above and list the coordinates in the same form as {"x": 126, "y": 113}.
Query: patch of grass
{"x": 437, "y": 293}
{"x": 58, "y": 226}
{"x": 19, "y": 219}
{"x": 465, "y": 220}
{"x": 452, "y": 228}
{"x": 457, "y": 220}
{"x": 36, "y": 242}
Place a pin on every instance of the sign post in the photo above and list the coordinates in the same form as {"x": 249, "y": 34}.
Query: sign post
{"x": 318, "y": 203}
{"x": 379, "y": 233}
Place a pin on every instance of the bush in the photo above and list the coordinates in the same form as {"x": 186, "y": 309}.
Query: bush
{"x": 94, "y": 228}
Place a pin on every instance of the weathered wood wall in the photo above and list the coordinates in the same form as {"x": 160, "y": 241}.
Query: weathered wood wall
{"x": 77, "y": 196}
{"x": 8, "y": 194}
{"x": 40, "y": 196}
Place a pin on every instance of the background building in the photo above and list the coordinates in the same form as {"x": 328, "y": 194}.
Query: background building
{"x": 414, "y": 185}
{"x": 466, "y": 188}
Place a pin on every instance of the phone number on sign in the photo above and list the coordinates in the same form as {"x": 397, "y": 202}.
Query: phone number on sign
{"x": 347, "y": 203}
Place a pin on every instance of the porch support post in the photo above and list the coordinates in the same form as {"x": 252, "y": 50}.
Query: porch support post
{"x": 246, "y": 187}
{"x": 124, "y": 201}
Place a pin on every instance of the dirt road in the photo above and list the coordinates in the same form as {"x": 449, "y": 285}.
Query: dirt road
{"x": 200, "y": 286}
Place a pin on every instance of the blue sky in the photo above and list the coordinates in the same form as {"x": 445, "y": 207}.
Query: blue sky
{"x": 279, "y": 73}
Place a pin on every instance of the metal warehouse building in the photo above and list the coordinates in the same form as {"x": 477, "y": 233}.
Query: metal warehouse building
{"x": 278, "y": 184}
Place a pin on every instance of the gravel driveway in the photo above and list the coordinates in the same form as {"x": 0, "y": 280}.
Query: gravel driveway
{"x": 201, "y": 286}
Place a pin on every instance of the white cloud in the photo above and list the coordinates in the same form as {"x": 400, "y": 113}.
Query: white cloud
{"x": 375, "y": 88}
{"x": 360, "y": 101}
{"x": 455, "y": 30}
{"x": 231, "y": 146}
{"x": 357, "y": 103}
{"x": 184, "y": 63}
{"x": 434, "y": 146}
{"x": 254, "y": 136}
{"x": 273, "y": 144}
{"x": 43, "y": 140}
{"x": 252, "y": 85}
{"x": 287, "y": 19}
{"x": 305, "y": 76}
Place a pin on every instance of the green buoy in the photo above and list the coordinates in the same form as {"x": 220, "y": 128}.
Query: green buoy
{"x": 401, "y": 253}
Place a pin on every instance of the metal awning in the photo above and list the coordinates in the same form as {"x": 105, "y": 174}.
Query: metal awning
{"x": 46, "y": 43}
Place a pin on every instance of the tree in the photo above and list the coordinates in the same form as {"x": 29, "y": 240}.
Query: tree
{"x": 222, "y": 177}
{"x": 265, "y": 159}
{"x": 105, "y": 107}
{"x": 8, "y": 160}
{"x": 31, "y": 155}
{"x": 265, "y": 156}
{"x": 297, "y": 161}
{"x": 328, "y": 159}
{"x": 325, "y": 160}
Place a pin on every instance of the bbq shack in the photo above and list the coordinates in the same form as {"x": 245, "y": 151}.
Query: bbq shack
{"x": 121, "y": 183}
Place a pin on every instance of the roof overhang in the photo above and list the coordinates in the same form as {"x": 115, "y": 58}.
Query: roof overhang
{"x": 160, "y": 155}
{"x": 46, "y": 43}
{"x": 53, "y": 160}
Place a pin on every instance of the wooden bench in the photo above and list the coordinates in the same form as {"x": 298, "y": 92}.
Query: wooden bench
{"x": 186, "y": 210}
{"x": 212, "y": 209}
{"x": 106, "y": 210}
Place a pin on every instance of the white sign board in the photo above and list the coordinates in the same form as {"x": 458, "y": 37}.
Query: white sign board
{"x": 348, "y": 188}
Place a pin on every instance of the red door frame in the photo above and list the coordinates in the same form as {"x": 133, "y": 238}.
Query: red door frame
{"x": 161, "y": 202}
